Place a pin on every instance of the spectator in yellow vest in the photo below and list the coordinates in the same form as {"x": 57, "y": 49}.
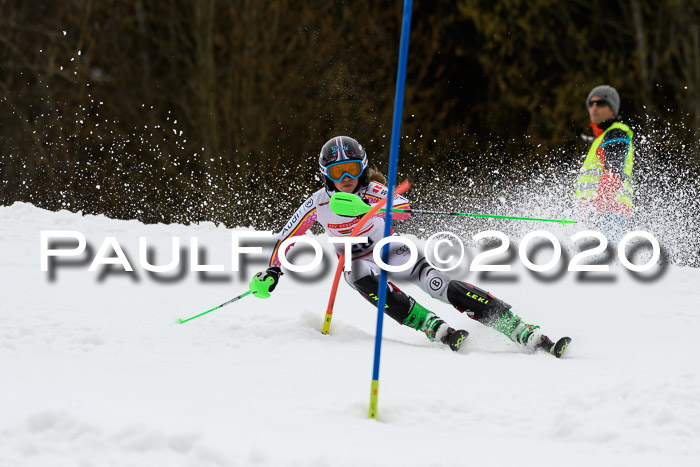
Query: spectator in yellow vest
{"x": 604, "y": 186}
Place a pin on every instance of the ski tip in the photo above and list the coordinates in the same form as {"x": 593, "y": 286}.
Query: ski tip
{"x": 456, "y": 339}
{"x": 561, "y": 345}
{"x": 179, "y": 321}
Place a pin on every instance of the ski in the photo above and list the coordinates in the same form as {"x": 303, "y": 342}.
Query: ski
{"x": 455, "y": 338}
{"x": 558, "y": 349}
{"x": 545, "y": 344}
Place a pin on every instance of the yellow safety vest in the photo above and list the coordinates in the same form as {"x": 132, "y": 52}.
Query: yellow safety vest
{"x": 592, "y": 170}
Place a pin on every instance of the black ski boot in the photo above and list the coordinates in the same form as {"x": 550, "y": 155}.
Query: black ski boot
{"x": 434, "y": 328}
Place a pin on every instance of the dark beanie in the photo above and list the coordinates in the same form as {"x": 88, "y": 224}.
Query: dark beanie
{"x": 609, "y": 94}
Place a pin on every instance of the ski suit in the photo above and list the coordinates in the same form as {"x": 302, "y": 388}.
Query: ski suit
{"x": 364, "y": 274}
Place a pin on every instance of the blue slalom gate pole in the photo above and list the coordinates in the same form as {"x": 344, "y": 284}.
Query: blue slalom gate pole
{"x": 393, "y": 165}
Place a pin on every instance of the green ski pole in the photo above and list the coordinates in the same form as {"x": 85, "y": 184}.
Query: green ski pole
{"x": 349, "y": 204}
{"x": 562, "y": 221}
{"x": 215, "y": 308}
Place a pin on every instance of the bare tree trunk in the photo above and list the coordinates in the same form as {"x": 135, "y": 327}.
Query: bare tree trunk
{"x": 692, "y": 76}
{"x": 684, "y": 48}
{"x": 645, "y": 87}
{"x": 205, "y": 79}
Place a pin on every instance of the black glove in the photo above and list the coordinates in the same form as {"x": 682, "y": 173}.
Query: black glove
{"x": 275, "y": 272}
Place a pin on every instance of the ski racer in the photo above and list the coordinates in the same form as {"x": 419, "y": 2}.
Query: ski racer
{"x": 343, "y": 163}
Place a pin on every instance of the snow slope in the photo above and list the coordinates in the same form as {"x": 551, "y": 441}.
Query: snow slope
{"x": 95, "y": 372}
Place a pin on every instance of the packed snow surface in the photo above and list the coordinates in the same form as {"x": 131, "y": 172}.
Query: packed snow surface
{"x": 96, "y": 371}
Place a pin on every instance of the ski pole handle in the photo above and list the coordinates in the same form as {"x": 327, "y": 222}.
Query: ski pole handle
{"x": 234, "y": 299}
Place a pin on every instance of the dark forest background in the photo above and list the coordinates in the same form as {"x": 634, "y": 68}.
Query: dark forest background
{"x": 184, "y": 111}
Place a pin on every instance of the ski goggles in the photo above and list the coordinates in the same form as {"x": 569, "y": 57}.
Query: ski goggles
{"x": 339, "y": 170}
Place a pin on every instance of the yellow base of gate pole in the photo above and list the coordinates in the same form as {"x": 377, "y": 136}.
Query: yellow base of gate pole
{"x": 327, "y": 323}
{"x": 373, "y": 399}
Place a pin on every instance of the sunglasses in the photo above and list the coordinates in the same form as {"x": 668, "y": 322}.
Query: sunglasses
{"x": 340, "y": 170}
{"x": 600, "y": 103}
